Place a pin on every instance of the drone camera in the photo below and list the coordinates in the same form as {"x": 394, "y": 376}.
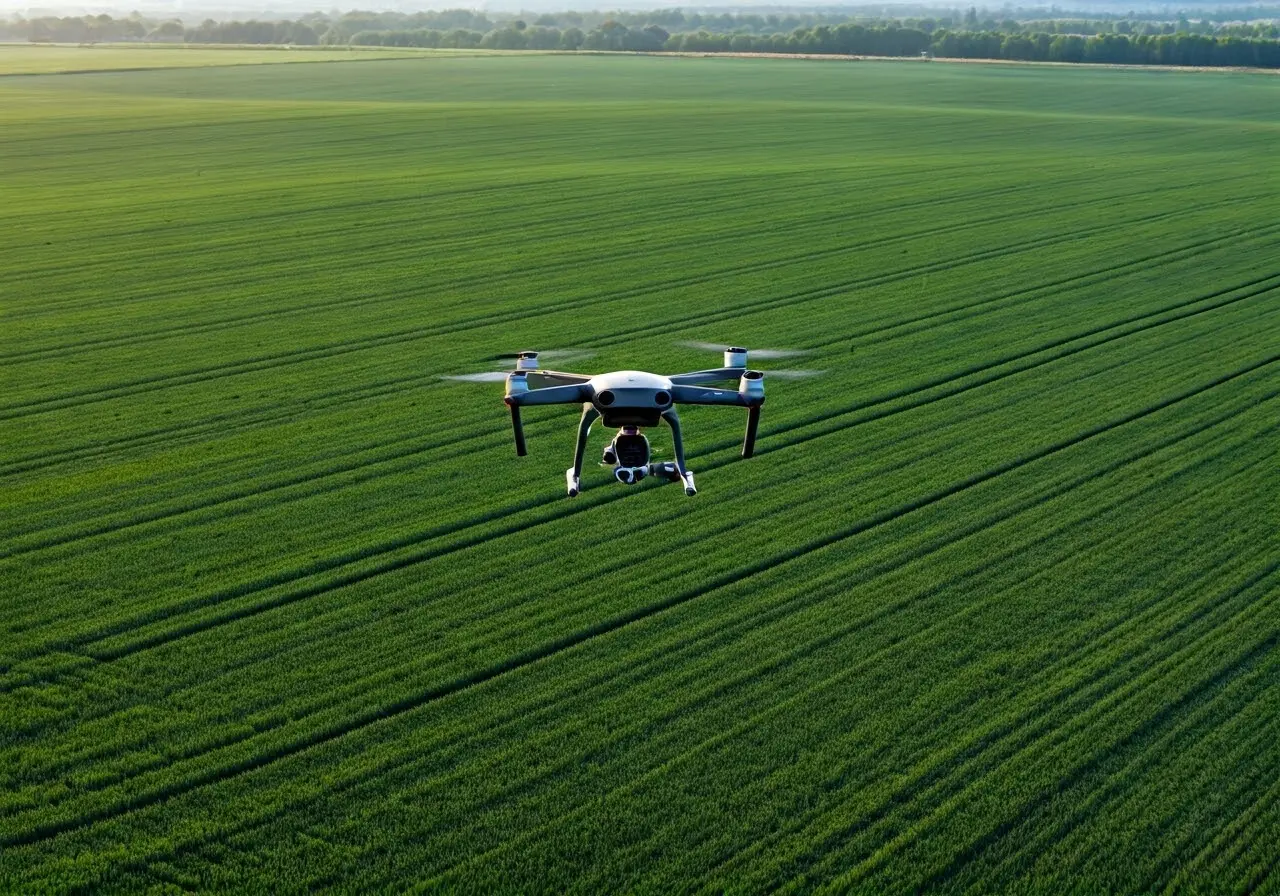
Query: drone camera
{"x": 631, "y": 449}
{"x": 630, "y": 475}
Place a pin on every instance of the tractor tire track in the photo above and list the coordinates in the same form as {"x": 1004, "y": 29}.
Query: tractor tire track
{"x": 526, "y": 658}
{"x": 700, "y": 644}
{"x": 74, "y": 398}
{"x": 222, "y": 278}
{"x": 167, "y": 434}
{"x": 947, "y": 776}
{"x": 404, "y": 451}
{"x": 799, "y": 433}
{"x": 752, "y": 722}
{"x": 442, "y": 244}
{"x": 1164, "y": 715}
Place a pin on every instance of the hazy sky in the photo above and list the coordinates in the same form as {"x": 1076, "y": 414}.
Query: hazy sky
{"x": 275, "y": 9}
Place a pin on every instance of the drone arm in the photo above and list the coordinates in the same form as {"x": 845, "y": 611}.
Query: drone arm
{"x": 542, "y": 379}
{"x": 520, "y": 395}
{"x": 570, "y": 394}
{"x": 749, "y": 395}
{"x": 700, "y": 377}
{"x": 686, "y": 394}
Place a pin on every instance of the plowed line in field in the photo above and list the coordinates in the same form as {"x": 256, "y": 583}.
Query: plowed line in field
{"x": 253, "y": 204}
{"x": 1198, "y": 463}
{"x": 950, "y": 385}
{"x": 863, "y": 577}
{"x": 525, "y": 228}
{"x": 77, "y": 398}
{"x": 1091, "y": 643}
{"x": 223, "y": 277}
{"x": 573, "y": 194}
{"x": 1228, "y": 844}
{"x": 351, "y": 690}
{"x": 37, "y": 461}
{"x": 946, "y": 777}
{"x": 364, "y": 719}
{"x": 210, "y": 255}
{"x": 824, "y": 292}
{"x": 1162, "y": 716}
{"x": 166, "y": 435}
{"x": 218, "y": 422}
{"x": 1068, "y": 487}
{"x": 259, "y": 493}
{"x": 888, "y": 209}
{"x": 863, "y": 412}
{"x": 1122, "y": 785}
{"x": 752, "y": 723}
{"x": 477, "y": 618}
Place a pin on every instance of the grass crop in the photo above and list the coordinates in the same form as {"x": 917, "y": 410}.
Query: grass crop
{"x": 995, "y": 606}
{"x": 42, "y": 59}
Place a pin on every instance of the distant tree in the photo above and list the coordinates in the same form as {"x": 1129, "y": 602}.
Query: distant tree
{"x": 571, "y": 38}
{"x": 301, "y": 34}
{"x": 658, "y": 32}
{"x": 171, "y": 30}
{"x": 504, "y": 39}
{"x": 1067, "y": 48}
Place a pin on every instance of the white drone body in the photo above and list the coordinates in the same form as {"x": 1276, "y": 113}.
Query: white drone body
{"x": 631, "y": 400}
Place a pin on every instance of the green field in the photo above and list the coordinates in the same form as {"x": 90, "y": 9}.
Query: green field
{"x": 34, "y": 59}
{"x": 995, "y": 606}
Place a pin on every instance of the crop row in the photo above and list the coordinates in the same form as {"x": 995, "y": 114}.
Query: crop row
{"x": 993, "y": 608}
{"x": 393, "y": 676}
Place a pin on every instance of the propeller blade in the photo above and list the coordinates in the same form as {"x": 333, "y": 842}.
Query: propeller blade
{"x": 792, "y": 374}
{"x": 489, "y": 376}
{"x": 555, "y": 354}
{"x": 753, "y": 353}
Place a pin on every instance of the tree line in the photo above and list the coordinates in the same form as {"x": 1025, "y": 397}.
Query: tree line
{"x": 856, "y": 40}
{"x": 1123, "y": 41}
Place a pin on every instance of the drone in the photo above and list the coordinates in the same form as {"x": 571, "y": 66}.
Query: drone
{"x": 630, "y": 400}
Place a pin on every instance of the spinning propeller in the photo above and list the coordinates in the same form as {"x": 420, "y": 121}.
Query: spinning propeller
{"x": 763, "y": 354}
{"x": 503, "y": 366}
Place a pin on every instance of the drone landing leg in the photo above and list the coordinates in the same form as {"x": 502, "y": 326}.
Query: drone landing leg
{"x": 573, "y": 475}
{"x": 673, "y": 420}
